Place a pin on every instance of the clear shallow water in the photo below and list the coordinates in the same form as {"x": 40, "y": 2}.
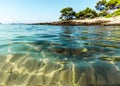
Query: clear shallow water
{"x": 33, "y": 55}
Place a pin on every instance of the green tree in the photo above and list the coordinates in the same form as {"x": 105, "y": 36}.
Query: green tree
{"x": 112, "y": 3}
{"x": 87, "y": 13}
{"x": 102, "y": 13}
{"x": 101, "y": 5}
{"x": 67, "y": 13}
{"x": 80, "y": 15}
{"x": 118, "y": 4}
{"x": 116, "y": 13}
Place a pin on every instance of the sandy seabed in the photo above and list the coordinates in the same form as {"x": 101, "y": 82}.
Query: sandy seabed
{"x": 23, "y": 70}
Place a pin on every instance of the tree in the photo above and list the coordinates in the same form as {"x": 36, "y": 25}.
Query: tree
{"x": 101, "y": 5}
{"x": 118, "y": 4}
{"x": 106, "y": 5}
{"x": 102, "y": 13}
{"x": 112, "y": 3}
{"x": 87, "y": 13}
{"x": 80, "y": 15}
{"x": 67, "y": 13}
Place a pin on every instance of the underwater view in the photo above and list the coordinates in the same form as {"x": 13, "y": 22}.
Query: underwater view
{"x": 46, "y": 55}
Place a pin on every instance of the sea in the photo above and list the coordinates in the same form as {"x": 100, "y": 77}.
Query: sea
{"x": 46, "y": 55}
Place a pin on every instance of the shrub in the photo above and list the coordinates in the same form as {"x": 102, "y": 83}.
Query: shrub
{"x": 116, "y": 13}
{"x": 109, "y": 16}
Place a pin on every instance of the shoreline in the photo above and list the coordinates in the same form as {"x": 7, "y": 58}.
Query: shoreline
{"x": 114, "y": 21}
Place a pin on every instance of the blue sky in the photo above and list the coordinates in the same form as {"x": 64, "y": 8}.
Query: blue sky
{"x": 27, "y": 11}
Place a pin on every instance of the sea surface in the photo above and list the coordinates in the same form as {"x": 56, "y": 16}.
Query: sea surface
{"x": 44, "y": 55}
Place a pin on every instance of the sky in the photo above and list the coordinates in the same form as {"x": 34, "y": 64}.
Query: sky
{"x": 34, "y": 11}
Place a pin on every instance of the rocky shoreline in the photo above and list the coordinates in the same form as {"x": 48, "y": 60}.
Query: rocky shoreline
{"x": 96, "y": 21}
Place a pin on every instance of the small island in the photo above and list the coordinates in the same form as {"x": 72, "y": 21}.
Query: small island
{"x": 108, "y": 13}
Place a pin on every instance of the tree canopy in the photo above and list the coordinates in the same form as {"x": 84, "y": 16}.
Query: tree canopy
{"x": 87, "y": 13}
{"x": 112, "y": 3}
{"x": 107, "y": 8}
{"x": 100, "y": 5}
{"x": 105, "y": 5}
{"x": 67, "y": 13}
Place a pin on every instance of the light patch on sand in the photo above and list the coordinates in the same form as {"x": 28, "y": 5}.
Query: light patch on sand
{"x": 23, "y": 70}
{"x": 9, "y": 57}
{"x": 62, "y": 65}
{"x": 14, "y": 66}
{"x": 43, "y": 55}
{"x": 46, "y": 60}
{"x": 73, "y": 74}
{"x": 51, "y": 74}
{"x": 117, "y": 68}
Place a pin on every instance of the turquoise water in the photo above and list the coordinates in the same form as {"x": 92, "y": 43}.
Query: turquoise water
{"x": 91, "y": 53}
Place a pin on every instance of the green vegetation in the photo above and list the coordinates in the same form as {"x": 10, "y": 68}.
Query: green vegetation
{"x": 108, "y": 16}
{"x": 100, "y": 5}
{"x": 102, "y": 13}
{"x": 106, "y": 9}
{"x": 87, "y": 13}
{"x": 112, "y": 3}
{"x": 115, "y": 13}
{"x": 104, "y": 6}
{"x": 67, "y": 13}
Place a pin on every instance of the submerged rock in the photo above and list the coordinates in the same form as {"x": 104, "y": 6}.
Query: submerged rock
{"x": 70, "y": 51}
{"x": 84, "y": 50}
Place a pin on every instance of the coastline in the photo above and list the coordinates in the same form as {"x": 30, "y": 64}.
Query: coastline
{"x": 114, "y": 21}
